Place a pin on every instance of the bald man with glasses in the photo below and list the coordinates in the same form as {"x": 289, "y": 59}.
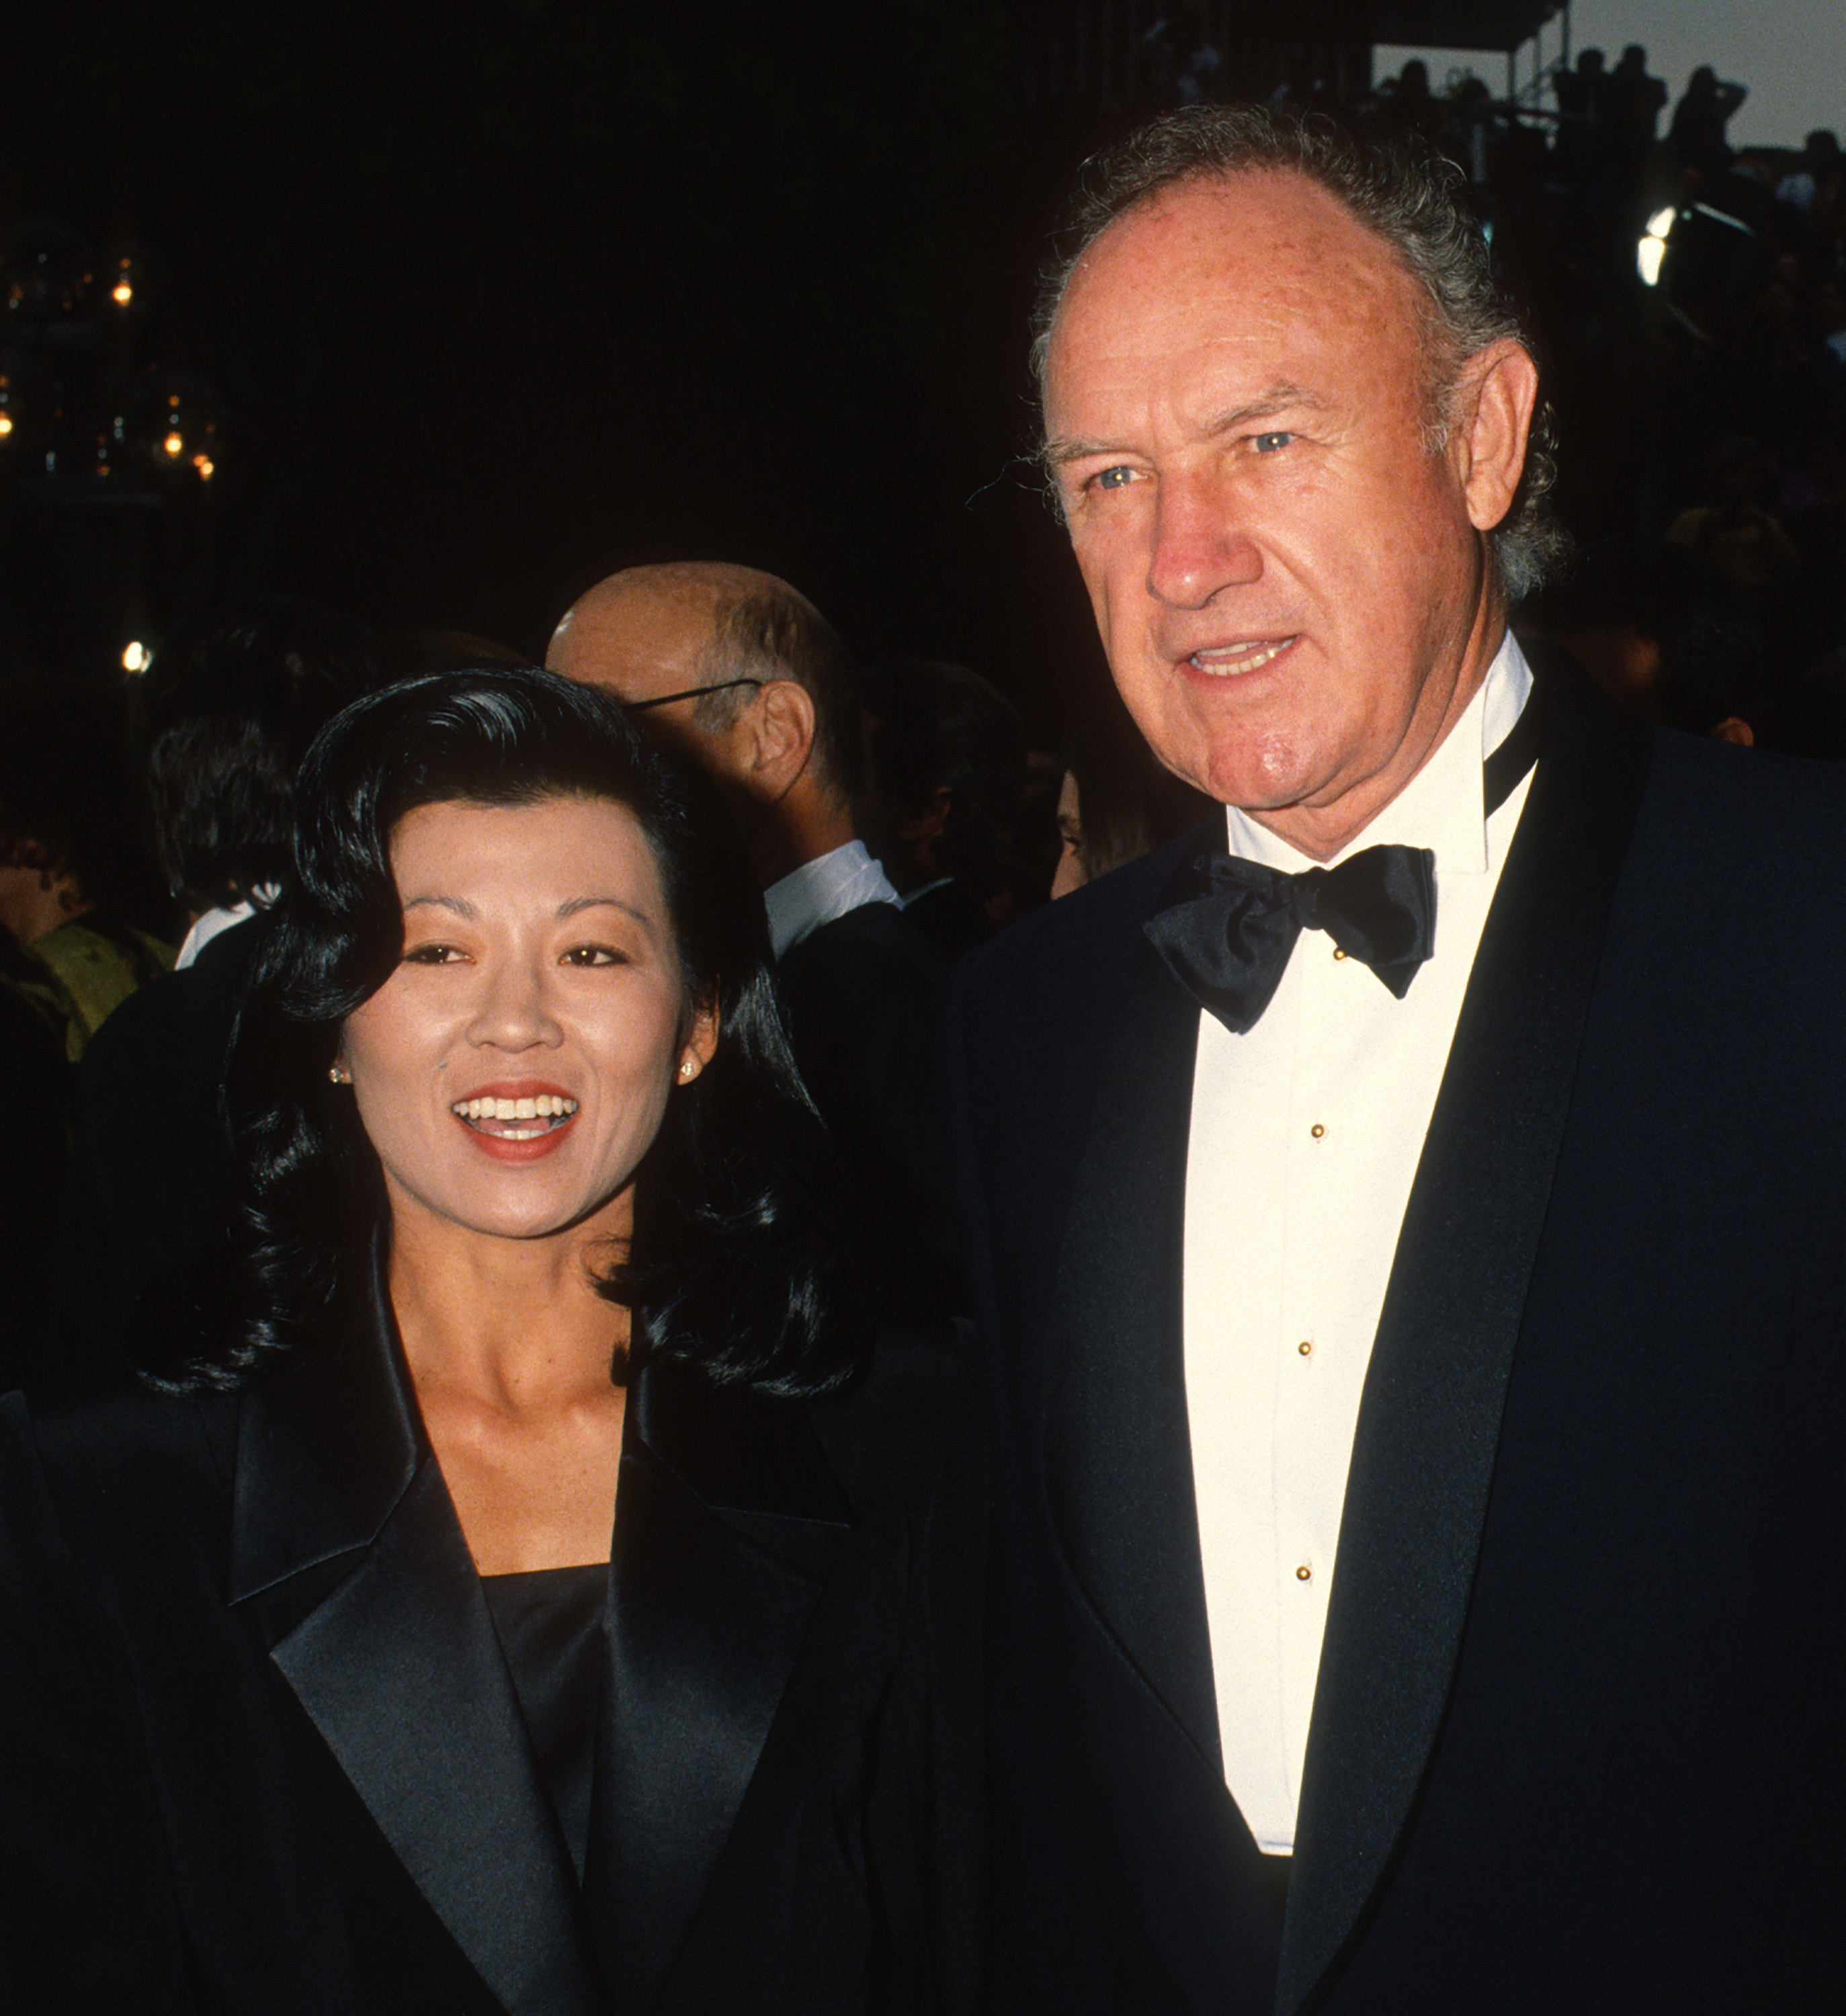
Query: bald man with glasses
{"x": 743, "y": 675}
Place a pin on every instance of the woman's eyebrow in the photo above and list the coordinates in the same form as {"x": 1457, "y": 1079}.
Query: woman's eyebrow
{"x": 577, "y": 903}
{"x": 461, "y": 907}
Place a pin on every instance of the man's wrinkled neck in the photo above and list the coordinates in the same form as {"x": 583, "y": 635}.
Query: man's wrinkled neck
{"x": 1322, "y": 831}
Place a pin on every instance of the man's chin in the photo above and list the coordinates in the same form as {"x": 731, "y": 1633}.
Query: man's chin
{"x": 1276, "y": 782}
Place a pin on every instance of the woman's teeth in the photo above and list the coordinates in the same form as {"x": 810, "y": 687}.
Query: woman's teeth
{"x": 544, "y": 1106}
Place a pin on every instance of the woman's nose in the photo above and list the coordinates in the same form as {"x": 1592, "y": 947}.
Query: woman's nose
{"x": 513, "y": 1012}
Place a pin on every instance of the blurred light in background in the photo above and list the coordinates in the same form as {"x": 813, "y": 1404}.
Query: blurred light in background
{"x": 178, "y": 422}
{"x": 121, "y": 278}
{"x": 1651, "y": 250}
{"x": 28, "y": 407}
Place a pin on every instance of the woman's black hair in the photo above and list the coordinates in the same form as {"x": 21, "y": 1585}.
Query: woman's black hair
{"x": 737, "y": 1267}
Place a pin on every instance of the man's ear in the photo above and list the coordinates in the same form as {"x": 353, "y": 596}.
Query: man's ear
{"x": 1498, "y": 393}
{"x": 780, "y": 727}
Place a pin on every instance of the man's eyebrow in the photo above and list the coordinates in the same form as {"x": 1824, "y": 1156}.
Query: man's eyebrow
{"x": 1277, "y": 399}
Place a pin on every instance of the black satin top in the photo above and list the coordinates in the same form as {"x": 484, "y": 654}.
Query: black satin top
{"x": 549, "y": 1622}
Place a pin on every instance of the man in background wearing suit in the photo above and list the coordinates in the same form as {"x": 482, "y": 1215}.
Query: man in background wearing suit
{"x": 747, "y": 679}
{"x": 1407, "y": 1214}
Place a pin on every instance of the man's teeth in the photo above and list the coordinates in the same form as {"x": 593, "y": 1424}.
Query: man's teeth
{"x": 545, "y": 1105}
{"x": 1224, "y": 658}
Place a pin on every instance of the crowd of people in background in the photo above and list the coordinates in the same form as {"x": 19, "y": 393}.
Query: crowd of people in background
{"x": 1688, "y": 295}
{"x": 1700, "y": 412}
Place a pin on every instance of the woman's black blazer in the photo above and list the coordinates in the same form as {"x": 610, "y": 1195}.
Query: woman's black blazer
{"x": 260, "y": 1751}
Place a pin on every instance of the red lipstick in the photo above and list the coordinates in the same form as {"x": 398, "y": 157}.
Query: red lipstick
{"x": 516, "y": 1120}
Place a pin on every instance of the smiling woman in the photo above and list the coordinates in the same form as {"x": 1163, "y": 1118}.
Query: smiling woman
{"x": 536, "y": 942}
{"x": 523, "y": 1585}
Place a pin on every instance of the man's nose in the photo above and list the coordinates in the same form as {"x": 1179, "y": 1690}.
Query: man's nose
{"x": 1200, "y": 545}
{"x": 512, "y": 1011}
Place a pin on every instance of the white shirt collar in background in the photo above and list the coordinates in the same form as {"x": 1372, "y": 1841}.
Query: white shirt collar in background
{"x": 818, "y": 891}
{"x": 212, "y": 923}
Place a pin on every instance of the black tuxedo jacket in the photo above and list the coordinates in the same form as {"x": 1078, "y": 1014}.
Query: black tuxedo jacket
{"x": 260, "y": 1751}
{"x": 1579, "y": 1738}
{"x": 864, "y": 995}
{"x": 952, "y": 917}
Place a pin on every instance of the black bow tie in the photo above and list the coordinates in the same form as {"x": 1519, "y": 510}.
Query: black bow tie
{"x": 1229, "y": 925}
{"x": 1230, "y": 943}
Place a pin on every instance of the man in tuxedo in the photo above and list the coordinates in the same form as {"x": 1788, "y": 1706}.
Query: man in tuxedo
{"x": 748, "y": 679}
{"x": 1407, "y": 1214}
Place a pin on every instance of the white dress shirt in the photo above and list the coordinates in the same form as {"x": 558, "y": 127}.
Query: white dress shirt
{"x": 1305, "y": 1137}
{"x": 822, "y": 890}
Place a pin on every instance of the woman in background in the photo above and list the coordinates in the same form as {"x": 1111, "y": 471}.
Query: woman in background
{"x": 522, "y": 1587}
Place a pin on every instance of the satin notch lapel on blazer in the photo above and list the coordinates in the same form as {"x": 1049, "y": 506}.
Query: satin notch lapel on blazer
{"x": 1428, "y": 1426}
{"x": 1118, "y": 1448}
{"x": 397, "y": 1661}
{"x": 728, "y": 1516}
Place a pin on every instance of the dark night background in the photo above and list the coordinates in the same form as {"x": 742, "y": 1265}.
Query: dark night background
{"x": 499, "y": 303}
{"x": 503, "y": 297}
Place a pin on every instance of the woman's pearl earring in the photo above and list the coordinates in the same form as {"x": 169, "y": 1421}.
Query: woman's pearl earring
{"x": 687, "y": 1069}
{"x": 336, "y": 1076}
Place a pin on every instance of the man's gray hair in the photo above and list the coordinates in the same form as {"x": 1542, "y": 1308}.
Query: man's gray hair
{"x": 1395, "y": 185}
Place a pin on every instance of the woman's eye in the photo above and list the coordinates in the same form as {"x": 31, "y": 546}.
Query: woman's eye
{"x": 1269, "y": 444}
{"x": 593, "y": 955}
{"x": 430, "y": 954}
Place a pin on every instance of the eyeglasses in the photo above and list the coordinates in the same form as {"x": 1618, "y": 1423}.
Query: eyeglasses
{"x": 691, "y": 692}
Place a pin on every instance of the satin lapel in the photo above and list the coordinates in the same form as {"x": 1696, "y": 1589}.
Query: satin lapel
{"x": 1428, "y": 1426}
{"x": 345, "y": 1542}
{"x": 1117, "y": 1449}
{"x": 727, "y": 1519}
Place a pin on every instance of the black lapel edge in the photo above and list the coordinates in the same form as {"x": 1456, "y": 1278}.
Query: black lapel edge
{"x": 1116, "y": 1445}
{"x": 328, "y": 1441}
{"x": 397, "y": 1664}
{"x": 706, "y": 1621}
{"x": 401, "y": 1670}
{"x": 1429, "y": 1423}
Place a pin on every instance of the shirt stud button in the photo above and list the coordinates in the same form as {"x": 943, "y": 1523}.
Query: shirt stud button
{"x": 1304, "y": 1573}
{"x": 1339, "y": 952}
{"x": 1305, "y": 1349}
{"x": 1317, "y": 1130}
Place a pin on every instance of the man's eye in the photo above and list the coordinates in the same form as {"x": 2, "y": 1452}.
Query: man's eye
{"x": 1269, "y": 444}
{"x": 1111, "y": 479}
